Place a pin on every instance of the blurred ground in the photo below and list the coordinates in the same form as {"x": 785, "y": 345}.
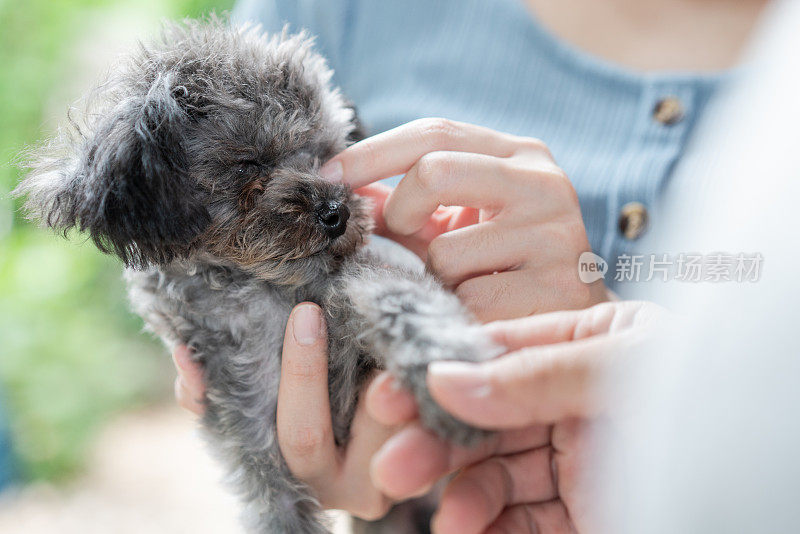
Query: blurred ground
{"x": 148, "y": 472}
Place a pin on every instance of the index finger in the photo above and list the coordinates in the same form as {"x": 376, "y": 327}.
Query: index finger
{"x": 395, "y": 151}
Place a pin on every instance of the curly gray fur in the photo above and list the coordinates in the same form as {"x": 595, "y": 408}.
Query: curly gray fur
{"x": 197, "y": 164}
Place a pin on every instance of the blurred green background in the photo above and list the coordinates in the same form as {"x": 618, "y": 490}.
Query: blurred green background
{"x": 71, "y": 354}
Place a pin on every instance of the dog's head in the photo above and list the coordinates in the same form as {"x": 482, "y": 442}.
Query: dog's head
{"x": 206, "y": 143}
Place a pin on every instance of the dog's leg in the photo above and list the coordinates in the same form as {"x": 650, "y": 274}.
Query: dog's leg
{"x": 408, "y": 320}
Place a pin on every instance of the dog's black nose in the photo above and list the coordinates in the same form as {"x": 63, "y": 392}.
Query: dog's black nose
{"x": 332, "y": 216}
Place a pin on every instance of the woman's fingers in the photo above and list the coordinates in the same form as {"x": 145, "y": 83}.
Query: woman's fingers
{"x": 305, "y": 434}
{"x": 545, "y": 329}
{"x": 447, "y": 179}
{"x": 511, "y": 294}
{"x": 443, "y": 220}
{"x": 535, "y": 194}
{"x": 563, "y": 326}
{"x": 409, "y": 462}
{"x": 395, "y": 151}
{"x": 377, "y": 193}
{"x": 189, "y": 386}
{"x": 533, "y": 385}
{"x": 476, "y": 250}
{"x": 522, "y": 211}
{"x": 388, "y": 402}
{"x": 414, "y": 458}
{"x": 546, "y": 518}
{"x": 358, "y": 492}
{"x": 564, "y": 376}
{"x": 475, "y": 498}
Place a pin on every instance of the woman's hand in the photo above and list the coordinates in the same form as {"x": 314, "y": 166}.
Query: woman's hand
{"x": 510, "y": 233}
{"x": 339, "y": 478}
{"x": 530, "y": 477}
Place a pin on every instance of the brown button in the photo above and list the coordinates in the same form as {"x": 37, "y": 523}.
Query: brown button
{"x": 633, "y": 220}
{"x": 668, "y": 111}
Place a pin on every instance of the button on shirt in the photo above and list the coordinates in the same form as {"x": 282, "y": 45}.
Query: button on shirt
{"x": 617, "y": 134}
{"x": 668, "y": 111}
{"x": 633, "y": 219}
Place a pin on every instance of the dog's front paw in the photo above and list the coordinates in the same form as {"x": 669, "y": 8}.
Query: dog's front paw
{"x": 448, "y": 343}
{"x": 414, "y": 324}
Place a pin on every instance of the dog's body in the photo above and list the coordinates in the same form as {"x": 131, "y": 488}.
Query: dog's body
{"x": 377, "y": 316}
{"x": 199, "y": 170}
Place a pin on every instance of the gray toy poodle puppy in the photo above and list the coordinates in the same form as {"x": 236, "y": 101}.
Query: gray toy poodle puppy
{"x": 197, "y": 164}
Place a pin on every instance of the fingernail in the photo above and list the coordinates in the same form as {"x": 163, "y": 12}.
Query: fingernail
{"x": 306, "y": 325}
{"x": 332, "y": 171}
{"x": 468, "y": 379}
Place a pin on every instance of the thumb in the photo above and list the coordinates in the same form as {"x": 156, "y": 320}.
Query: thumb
{"x": 304, "y": 429}
{"x": 535, "y": 385}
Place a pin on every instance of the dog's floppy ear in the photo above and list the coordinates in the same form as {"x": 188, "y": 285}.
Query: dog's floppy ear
{"x": 127, "y": 182}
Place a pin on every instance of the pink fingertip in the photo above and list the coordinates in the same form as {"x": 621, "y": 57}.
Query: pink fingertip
{"x": 332, "y": 171}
